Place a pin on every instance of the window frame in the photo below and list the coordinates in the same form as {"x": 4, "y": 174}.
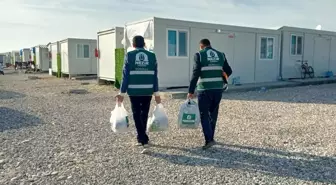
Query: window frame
{"x": 177, "y": 43}
{"x": 296, "y": 46}
{"x": 267, "y": 37}
{"x": 82, "y": 47}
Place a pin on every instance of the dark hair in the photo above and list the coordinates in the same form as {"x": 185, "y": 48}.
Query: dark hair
{"x": 205, "y": 42}
{"x": 138, "y": 41}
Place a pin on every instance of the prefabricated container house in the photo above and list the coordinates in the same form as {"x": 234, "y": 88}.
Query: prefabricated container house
{"x": 15, "y": 57}
{"x": 54, "y": 50}
{"x": 78, "y": 56}
{"x": 42, "y": 57}
{"x": 107, "y": 42}
{"x": 8, "y": 57}
{"x": 317, "y": 47}
{"x": 2, "y": 59}
{"x": 26, "y": 55}
{"x": 32, "y": 54}
{"x": 253, "y": 53}
{"x": 5, "y": 58}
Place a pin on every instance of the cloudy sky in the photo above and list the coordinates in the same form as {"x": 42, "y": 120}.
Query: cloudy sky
{"x": 26, "y": 23}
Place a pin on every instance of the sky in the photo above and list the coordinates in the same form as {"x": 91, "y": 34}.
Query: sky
{"x": 27, "y": 23}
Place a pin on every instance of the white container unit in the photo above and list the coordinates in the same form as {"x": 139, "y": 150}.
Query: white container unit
{"x": 15, "y": 57}
{"x": 8, "y": 57}
{"x": 5, "y": 58}
{"x": 55, "y": 49}
{"x": 2, "y": 59}
{"x": 253, "y": 53}
{"x": 316, "y": 46}
{"x": 32, "y": 54}
{"x": 26, "y": 55}
{"x": 42, "y": 57}
{"x": 78, "y": 56}
{"x": 107, "y": 42}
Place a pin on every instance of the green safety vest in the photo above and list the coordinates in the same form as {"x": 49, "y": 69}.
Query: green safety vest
{"x": 141, "y": 75}
{"x": 212, "y": 62}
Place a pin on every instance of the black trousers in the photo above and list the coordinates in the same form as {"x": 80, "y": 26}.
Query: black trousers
{"x": 140, "y": 108}
{"x": 208, "y": 103}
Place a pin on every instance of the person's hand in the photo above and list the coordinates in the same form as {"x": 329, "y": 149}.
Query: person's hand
{"x": 119, "y": 98}
{"x": 190, "y": 96}
{"x": 157, "y": 99}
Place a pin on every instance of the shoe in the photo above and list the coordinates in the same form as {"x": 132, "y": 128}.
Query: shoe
{"x": 208, "y": 145}
{"x": 138, "y": 144}
{"x": 145, "y": 149}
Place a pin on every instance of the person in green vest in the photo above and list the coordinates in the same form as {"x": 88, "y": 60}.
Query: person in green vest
{"x": 209, "y": 67}
{"x": 140, "y": 82}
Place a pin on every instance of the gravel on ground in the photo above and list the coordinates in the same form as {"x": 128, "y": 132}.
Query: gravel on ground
{"x": 51, "y": 136}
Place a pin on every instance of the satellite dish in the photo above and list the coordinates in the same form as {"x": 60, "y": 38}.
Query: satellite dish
{"x": 318, "y": 27}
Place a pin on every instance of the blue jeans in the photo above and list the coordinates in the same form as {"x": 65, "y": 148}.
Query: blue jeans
{"x": 208, "y": 103}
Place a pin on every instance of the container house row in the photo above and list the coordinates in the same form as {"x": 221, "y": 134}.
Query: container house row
{"x": 5, "y": 58}
{"x": 73, "y": 56}
{"x": 256, "y": 55}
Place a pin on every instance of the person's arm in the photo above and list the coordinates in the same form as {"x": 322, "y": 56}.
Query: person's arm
{"x": 226, "y": 67}
{"x": 196, "y": 73}
{"x": 126, "y": 72}
{"x": 156, "y": 79}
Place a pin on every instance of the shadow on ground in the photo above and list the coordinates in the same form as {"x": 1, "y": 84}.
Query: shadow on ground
{"x": 4, "y": 95}
{"x": 268, "y": 161}
{"x": 13, "y": 119}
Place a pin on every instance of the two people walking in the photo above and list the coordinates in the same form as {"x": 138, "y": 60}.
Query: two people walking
{"x": 140, "y": 82}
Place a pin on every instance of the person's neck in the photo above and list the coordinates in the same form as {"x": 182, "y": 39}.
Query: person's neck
{"x": 206, "y": 47}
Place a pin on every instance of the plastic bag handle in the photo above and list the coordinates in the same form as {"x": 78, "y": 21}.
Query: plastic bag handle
{"x": 118, "y": 104}
{"x": 190, "y": 101}
{"x": 159, "y": 105}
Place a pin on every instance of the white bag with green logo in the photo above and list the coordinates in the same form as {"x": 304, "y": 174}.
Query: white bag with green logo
{"x": 119, "y": 119}
{"x": 189, "y": 116}
{"x": 159, "y": 121}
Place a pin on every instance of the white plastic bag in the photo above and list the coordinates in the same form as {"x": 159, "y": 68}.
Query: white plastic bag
{"x": 119, "y": 119}
{"x": 189, "y": 116}
{"x": 159, "y": 120}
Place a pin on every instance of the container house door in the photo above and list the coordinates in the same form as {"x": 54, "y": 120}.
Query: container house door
{"x": 321, "y": 56}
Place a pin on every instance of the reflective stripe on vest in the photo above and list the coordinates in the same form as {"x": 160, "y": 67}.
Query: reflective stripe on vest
{"x": 210, "y": 68}
{"x": 219, "y": 79}
{"x": 141, "y": 86}
{"x": 141, "y": 72}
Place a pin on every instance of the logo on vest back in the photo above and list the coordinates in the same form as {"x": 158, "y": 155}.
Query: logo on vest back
{"x": 141, "y": 59}
{"x": 212, "y": 56}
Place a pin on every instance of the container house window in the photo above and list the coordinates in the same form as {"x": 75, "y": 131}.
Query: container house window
{"x": 83, "y": 51}
{"x": 177, "y": 43}
{"x": 266, "y": 48}
{"x": 296, "y": 45}
{"x": 172, "y": 46}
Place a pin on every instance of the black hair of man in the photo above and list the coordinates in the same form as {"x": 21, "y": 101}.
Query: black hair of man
{"x": 205, "y": 42}
{"x": 138, "y": 41}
